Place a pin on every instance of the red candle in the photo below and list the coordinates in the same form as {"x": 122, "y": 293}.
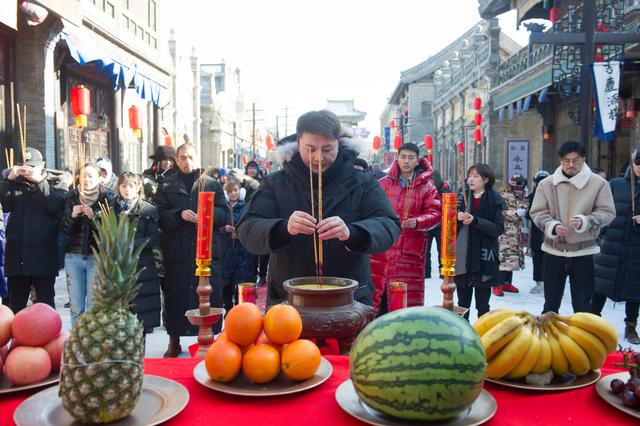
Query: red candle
{"x": 204, "y": 236}
{"x": 246, "y": 293}
{"x": 448, "y": 244}
{"x": 397, "y": 296}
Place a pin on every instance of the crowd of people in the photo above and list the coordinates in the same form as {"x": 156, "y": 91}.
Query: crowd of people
{"x": 376, "y": 228}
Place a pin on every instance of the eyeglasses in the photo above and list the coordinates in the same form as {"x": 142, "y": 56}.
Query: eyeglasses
{"x": 575, "y": 161}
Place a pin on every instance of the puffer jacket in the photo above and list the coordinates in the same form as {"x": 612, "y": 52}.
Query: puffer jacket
{"x": 404, "y": 261}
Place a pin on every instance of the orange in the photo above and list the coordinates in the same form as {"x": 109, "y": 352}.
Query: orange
{"x": 223, "y": 361}
{"x": 222, "y": 336}
{"x": 244, "y": 349}
{"x": 264, "y": 339}
{"x": 261, "y": 363}
{"x": 282, "y": 324}
{"x": 300, "y": 360}
{"x": 243, "y": 324}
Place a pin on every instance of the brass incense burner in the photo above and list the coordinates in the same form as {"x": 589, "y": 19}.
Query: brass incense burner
{"x": 328, "y": 309}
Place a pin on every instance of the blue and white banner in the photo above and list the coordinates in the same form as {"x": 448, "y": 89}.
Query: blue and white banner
{"x": 606, "y": 77}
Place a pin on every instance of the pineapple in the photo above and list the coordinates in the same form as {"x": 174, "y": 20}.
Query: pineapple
{"x": 102, "y": 369}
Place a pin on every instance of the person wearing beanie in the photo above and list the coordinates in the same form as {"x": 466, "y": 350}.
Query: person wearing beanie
{"x": 107, "y": 178}
{"x": 357, "y": 217}
{"x": 417, "y": 203}
{"x": 164, "y": 162}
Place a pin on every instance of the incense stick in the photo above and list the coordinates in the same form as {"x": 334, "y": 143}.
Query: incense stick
{"x": 461, "y": 179}
{"x": 315, "y": 242}
{"x": 81, "y": 168}
{"x": 406, "y": 205}
{"x": 6, "y": 154}
{"x": 21, "y": 132}
{"x": 24, "y": 137}
{"x": 320, "y": 242}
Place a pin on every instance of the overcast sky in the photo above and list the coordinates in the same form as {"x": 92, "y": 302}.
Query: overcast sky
{"x": 299, "y": 53}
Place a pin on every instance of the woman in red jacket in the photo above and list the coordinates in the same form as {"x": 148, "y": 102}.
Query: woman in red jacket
{"x": 417, "y": 203}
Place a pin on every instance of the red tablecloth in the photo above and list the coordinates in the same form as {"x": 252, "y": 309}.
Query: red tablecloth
{"x": 318, "y": 406}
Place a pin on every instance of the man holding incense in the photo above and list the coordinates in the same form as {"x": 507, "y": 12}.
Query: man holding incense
{"x": 35, "y": 205}
{"x": 417, "y": 202}
{"x": 351, "y": 217}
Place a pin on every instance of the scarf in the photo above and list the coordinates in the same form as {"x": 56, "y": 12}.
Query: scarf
{"x": 90, "y": 196}
{"x": 125, "y": 206}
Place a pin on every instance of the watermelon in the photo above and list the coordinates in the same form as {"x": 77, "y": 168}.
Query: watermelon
{"x": 421, "y": 363}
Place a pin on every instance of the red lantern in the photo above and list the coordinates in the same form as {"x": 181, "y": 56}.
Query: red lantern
{"x": 134, "y": 121}
{"x": 430, "y": 158}
{"x": 554, "y": 14}
{"x": 477, "y": 103}
{"x": 477, "y": 119}
{"x": 392, "y": 124}
{"x": 267, "y": 165}
{"x": 168, "y": 140}
{"x": 460, "y": 146}
{"x": 630, "y": 109}
{"x": 80, "y": 104}
{"x": 428, "y": 142}
{"x": 376, "y": 143}
{"x": 397, "y": 142}
{"x": 477, "y": 136}
{"x": 268, "y": 140}
{"x": 245, "y": 159}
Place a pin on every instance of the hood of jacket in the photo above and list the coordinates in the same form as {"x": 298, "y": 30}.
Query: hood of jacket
{"x": 578, "y": 181}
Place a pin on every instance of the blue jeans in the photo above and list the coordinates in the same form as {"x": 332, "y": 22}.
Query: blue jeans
{"x": 80, "y": 271}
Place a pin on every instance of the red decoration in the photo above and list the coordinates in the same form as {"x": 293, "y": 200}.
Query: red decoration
{"x": 392, "y": 124}
{"x": 168, "y": 140}
{"x": 477, "y": 136}
{"x": 477, "y": 103}
{"x": 630, "y": 109}
{"x": 376, "y": 143}
{"x": 460, "y": 146}
{"x": 428, "y": 142}
{"x": 397, "y": 296}
{"x": 134, "y": 121}
{"x": 430, "y": 158}
{"x": 204, "y": 235}
{"x": 268, "y": 140}
{"x": 397, "y": 142}
{"x": 245, "y": 159}
{"x": 477, "y": 119}
{"x": 554, "y": 14}
{"x": 80, "y": 104}
{"x": 267, "y": 165}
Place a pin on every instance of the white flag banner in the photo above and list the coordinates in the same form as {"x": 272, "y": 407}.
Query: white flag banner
{"x": 606, "y": 77}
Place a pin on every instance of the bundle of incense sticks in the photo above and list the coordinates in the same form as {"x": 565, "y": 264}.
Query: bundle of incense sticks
{"x": 81, "y": 161}
{"x": 8, "y": 152}
{"x": 461, "y": 179}
{"x": 313, "y": 209}
{"x": 22, "y": 130}
{"x": 318, "y": 254}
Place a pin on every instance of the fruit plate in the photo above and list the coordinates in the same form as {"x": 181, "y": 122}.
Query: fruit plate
{"x": 559, "y": 383}
{"x": 281, "y": 385}
{"x": 160, "y": 400}
{"x": 603, "y": 388}
{"x": 7, "y": 387}
{"x": 482, "y": 409}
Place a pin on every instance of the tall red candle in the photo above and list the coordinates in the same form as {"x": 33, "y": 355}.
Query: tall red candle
{"x": 448, "y": 245}
{"x": 204, "y": 235}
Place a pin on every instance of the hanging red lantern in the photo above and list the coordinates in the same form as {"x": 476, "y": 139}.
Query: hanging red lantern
{"x": 168, "y": 140}
{"x": 80, "y": 104}
{"x": 268, "y": 140}
{"x": 376, "y": 143}
{"x": 430, "y": 158}
{"x": 554, "y": 14}
{"x": 460, "y": 147}
{"x": 428, "y": 142}
{"x": 397, "y": 142}
{"x": 630, "y": 108}
{"x": 134, "y": 121}
{"x": 477, "y": 103}
{"x": 477, "y": 136}
{"x": 392, "y": 124}
{"x": 267, "y": 165}
{"x": 245, "y": 159}
{"x": 477, "y": 119}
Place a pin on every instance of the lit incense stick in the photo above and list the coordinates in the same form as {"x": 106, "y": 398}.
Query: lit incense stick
{"x": 315, "y": 241}
{"x": 320, "y": 242}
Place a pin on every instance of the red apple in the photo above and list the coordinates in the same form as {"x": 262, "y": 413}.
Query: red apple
{"x": 26, "y": 365}
{"x": 36, "y": 325}
{"x": 4, "y": 351}
{"x": 54, "y": 349}
{"x": 6, "y": 318}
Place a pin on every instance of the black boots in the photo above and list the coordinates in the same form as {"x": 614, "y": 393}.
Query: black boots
{"x": 174, "y": 348}
{"x": 630, "y": 333}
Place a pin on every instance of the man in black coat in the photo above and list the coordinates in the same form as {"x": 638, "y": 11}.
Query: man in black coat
{"x": 31, "y": 260}
{"x": 177, "y": 201}
{"x": 358, "y": 219}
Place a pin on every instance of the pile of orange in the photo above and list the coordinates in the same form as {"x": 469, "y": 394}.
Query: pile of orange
{"x": 262, "y": 347}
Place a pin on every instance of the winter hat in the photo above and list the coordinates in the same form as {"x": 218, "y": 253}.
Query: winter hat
{"x": 32, "y": 157}
{"x": 163, "y": 152}
{"x": 105, "y": 164}
{"x": 223, "y": 171}
{"x": 252, "y": 163}
{"x": 539, "y": 176}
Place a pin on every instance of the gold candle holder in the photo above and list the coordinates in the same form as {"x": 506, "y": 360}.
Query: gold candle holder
{"x": 448, "y": 252}
{"x": 204, "y": 316}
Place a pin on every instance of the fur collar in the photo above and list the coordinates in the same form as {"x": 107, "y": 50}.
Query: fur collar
{"x": 285, "y": 152}
{"x": 578, "y": 181}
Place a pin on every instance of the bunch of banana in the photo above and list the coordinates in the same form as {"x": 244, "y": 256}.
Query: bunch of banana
{"x": 517, "y": 343}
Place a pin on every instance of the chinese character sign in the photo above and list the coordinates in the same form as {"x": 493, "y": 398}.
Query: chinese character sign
{"x": 517, "y": 158}
{"x": 606, "y": 76}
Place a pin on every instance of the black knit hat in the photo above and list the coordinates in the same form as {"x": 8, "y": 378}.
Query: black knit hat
{"x": 163, "y": 152}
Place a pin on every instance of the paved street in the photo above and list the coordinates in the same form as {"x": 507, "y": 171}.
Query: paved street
{"x": 614, "y": 312}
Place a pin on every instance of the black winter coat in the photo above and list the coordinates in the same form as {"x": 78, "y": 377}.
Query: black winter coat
{"x": 79, "y": 232}
{"x": 355, "y": 197}
{"x": 179, "y": 250}
{"x": 147, "y": 304}
{"x": 32, "y": 228}
{"x": 617, "y": 266}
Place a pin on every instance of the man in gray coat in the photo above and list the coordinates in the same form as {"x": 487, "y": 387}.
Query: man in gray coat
{"x": 571, "y": 207}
